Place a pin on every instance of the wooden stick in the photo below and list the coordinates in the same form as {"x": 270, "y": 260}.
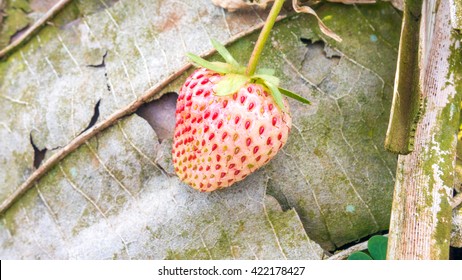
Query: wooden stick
{"x": 421, "y": 215}
{"x": 347, "y": 252}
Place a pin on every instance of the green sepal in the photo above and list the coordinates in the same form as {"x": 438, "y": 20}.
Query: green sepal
{"x": 224, "y": 53}
{"x": 230, "y": 84}
{"x": 231, "y": 69}
{"x": 218, "y": 67}
{"x": 276, "y": 95}
{"x": 267, "y": 78}
{"x": 235, "y": 76}
{"x": 293, "y": 95}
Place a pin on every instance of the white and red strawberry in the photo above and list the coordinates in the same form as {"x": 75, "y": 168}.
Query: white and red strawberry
{"x": 228, "y": 123}
{"x": 219, "y": 140}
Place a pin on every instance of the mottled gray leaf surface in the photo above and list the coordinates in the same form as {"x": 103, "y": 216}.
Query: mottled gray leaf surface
{"x": 49, "y": 87}
{"x": 331, "y": 183}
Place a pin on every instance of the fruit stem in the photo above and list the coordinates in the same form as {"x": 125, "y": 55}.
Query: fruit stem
{"x": 264, "y": 34}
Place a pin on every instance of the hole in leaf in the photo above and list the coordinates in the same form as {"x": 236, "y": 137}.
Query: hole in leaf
{"x": 94, "y": 118}
{"x": 18, "y": 33}
{"x": 39, "y": 154}
{"x": 308, "y": 41}
{"x": 160, "y": 114}
{"x": 320, "y": 45}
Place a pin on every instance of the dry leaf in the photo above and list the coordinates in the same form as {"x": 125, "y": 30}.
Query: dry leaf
{"x": 233, "y": 5}
{"x": 322, "y": 26}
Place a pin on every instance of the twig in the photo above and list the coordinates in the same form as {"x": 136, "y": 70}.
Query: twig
{"x": 34, "y": 28}
{"x": 112, "y": 119}
{"x": 347, "y": 252}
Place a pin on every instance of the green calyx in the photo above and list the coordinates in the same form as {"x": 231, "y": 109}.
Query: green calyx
{"x": 235, "y": 77}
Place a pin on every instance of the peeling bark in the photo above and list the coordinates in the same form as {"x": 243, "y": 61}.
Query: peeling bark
{"x": 420, "y": 226}
{"x": 406, "y": 106}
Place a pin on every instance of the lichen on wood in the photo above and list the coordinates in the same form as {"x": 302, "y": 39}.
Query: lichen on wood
{"x": 456, "y": 14}
{"x": 420, "y": 224}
